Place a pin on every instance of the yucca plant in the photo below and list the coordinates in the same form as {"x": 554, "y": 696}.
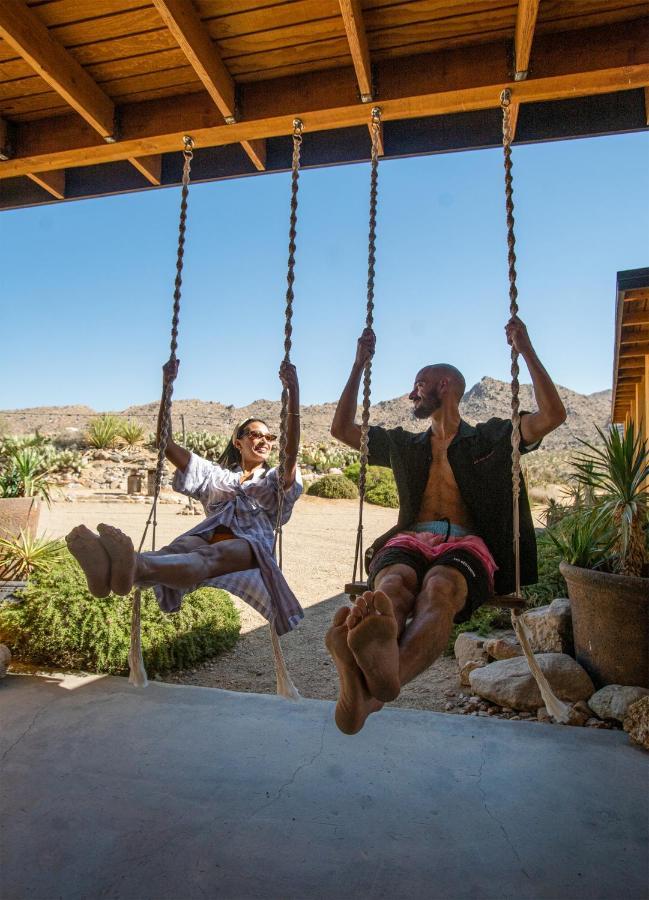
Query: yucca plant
{"x": 615, "y": 474}
{"x": 103, "y": 432}
{"x": 584, "y": 538}
{"x": 131, "y": 432}
{"x": 25, "y": 554}
{"x": 25, "y": 474}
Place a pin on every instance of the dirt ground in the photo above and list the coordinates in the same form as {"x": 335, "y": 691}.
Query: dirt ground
{"x": 318, "y": 559}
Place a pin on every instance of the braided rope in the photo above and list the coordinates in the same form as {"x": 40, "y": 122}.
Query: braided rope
{"x": 555, "y": 707}
{"x": 369, "y": 322}
{"x": 288, "y": 334}
{"x": 137, "y": 673}
{"x": 505, "y": 100}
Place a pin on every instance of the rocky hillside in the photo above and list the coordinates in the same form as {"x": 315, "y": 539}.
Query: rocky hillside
{"x": 485, "y": 399}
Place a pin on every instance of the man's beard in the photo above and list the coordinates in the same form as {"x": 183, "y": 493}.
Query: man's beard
{"x": 426, "y": 408}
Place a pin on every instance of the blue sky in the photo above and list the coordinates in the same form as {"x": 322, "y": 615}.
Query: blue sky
{"x": 87, "y": 286}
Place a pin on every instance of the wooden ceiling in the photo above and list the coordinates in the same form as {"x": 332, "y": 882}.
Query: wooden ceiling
{"x": 96, "y": 95}
{"x": 631, "y": 343}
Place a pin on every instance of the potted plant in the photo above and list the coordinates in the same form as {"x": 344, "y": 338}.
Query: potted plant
{"x": 605, "y": 560}
{"x": 23, "y": 484}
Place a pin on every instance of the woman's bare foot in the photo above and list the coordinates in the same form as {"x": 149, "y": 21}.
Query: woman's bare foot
{"x": 119, "y": 547}
{"x": 89, "y": 552}
{"x": 372, "y": 638}
{"x": 354, "y": 702}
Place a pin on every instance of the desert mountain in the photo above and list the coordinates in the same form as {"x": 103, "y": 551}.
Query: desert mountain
{"x": 485, "y": 399}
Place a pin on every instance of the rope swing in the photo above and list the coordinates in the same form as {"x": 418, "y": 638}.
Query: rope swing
{"x": 285, "y": 686}
{"x": 137, "y": 672}
{"x": 556, "y": 708}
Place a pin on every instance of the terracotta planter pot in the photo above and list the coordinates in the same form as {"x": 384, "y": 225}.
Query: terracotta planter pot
{"x": 17, "y": 513}
{"x": 610, "y": 622}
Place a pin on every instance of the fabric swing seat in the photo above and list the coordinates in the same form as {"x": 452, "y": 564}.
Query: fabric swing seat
{"x": 502, "y": 601}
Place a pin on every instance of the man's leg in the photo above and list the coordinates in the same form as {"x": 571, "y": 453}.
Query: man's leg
{"x": 375, "y": 623}
{"x": 355, "y": 701}
{"x": 443, "y": 594}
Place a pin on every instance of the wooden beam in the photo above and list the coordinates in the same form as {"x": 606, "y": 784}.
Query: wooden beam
{"x": 6, "y": 148}
{"x": 149, "y": 166}
{"x": 352, "y": 14}
{"x": 635, "y": 318}
{"x": 52, "y": 182}
{"x": 635, "y": 349}
{"x": 630, "y": 372}
{"x": 627, "y": 339}
{"x": 631, "y": 362}
{"x": 629, "y": 379}
{"x": 646, "y": 104}
{"x": 194, "y": 40}
{"x": 524, "y": 35}
{"x": 24, "y": 31}
{"x": 449, "y": 82}
{"x": 185, "y": 24}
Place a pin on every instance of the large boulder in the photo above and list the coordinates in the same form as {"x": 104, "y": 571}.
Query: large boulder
{"x": 613, "y": 701}
{"x": 470, "y": 654}
{"x": 636, "y": 723}
{"x": 5, "y": 659}
{"x": 551, "y": 627}
{"x": 510, "y": 683}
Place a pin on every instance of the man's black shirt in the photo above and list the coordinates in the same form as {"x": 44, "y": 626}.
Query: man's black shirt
{"x": 481, "y": 462}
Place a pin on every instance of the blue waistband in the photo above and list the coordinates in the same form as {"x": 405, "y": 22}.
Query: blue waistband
{"x": 441, "y": 527}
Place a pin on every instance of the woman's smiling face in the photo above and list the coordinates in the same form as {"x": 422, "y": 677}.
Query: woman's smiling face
{"x": 255, "y": 444}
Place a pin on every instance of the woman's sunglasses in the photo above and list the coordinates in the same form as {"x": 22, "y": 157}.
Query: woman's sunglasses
{"x": 258, "y": 435}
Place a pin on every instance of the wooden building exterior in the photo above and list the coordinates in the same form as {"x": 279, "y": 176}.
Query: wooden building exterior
{"x": 631, "y": 365}
{"x": 96, "y": 95}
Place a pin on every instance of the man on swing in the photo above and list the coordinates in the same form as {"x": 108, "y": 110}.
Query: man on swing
{"x": 452, "y": 546}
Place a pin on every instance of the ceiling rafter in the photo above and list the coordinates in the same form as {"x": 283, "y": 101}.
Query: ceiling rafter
{"x": 149, "y": 166}
{"x": 352, "y": 15}
{"x": 31, "y": 39}
{"x": 52, "y": 182}
{"x": 184, "y": 22}
{"x": 526, "y": 14}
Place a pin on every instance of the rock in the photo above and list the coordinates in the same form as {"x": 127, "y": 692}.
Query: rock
{"x": 613, "y": 701}
{"x": 636, "y": 723}
{"x": 503, "y": 648}
{"x": 543, "y": 715}
{"x": 5, "y": 659}
{"x": 470, "y": 654}
{"x": 509, "y": 682}
{"x": 551, "y": 627}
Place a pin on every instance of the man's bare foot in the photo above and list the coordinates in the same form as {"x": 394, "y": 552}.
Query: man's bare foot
{"x": 89, "y": 552}
{"x": 122, "y": 556}
{"x": 354, "y": 702}
{"x": 372, "y": 638}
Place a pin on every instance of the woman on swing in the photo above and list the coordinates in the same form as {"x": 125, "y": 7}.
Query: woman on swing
{"x": 232, "y": 548}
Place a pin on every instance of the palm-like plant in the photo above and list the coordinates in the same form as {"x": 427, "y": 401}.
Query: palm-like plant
{"x": 25, "y": 475}
{"x": 616, "y": 473}
{"x": 25, "y": 554}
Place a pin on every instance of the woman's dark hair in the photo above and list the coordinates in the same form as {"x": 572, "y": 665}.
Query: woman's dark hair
{"x": 231, "y": 456}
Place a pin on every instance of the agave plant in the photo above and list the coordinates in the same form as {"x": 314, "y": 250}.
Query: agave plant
{"x": 25, "y": 554}
{"x": 131, "y": 432}
{"x": 24, "y": 474}
{"x": 103, "y": 432}
{"x": 616, "y": 474}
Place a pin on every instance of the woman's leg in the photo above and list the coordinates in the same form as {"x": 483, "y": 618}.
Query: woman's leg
{"x": 186, "y": 569}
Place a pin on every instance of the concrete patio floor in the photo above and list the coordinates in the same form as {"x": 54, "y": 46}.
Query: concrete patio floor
{"x": 176, "y": 793}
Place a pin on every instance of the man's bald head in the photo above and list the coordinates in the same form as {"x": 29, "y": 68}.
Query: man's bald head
{"x": 432, "y": 384}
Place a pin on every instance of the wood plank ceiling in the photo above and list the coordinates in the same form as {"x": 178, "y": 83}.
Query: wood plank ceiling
{"x": 105, "y": 82}
{"x": 631, "y": 367}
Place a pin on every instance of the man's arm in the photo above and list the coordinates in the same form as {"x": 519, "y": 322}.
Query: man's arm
{"x": 177, "y": 455}
{"x": 551, "y": 412}
{"x": 344, "y": 427}
{"x": 288, "y": 377}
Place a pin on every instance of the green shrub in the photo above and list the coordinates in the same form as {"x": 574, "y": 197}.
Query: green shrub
{"x": 103, "y": 432}
{"x": 322, "y": 457}
{"x": 483, "y": 621}
{"x": 59, "y": 623}
{"x": 334, "y": 487}
{"x": 131, "y": 432}
{"x": 380, "y": 486}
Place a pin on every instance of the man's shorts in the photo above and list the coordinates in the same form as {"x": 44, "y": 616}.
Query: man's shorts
{"x": 476, "y": 574}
